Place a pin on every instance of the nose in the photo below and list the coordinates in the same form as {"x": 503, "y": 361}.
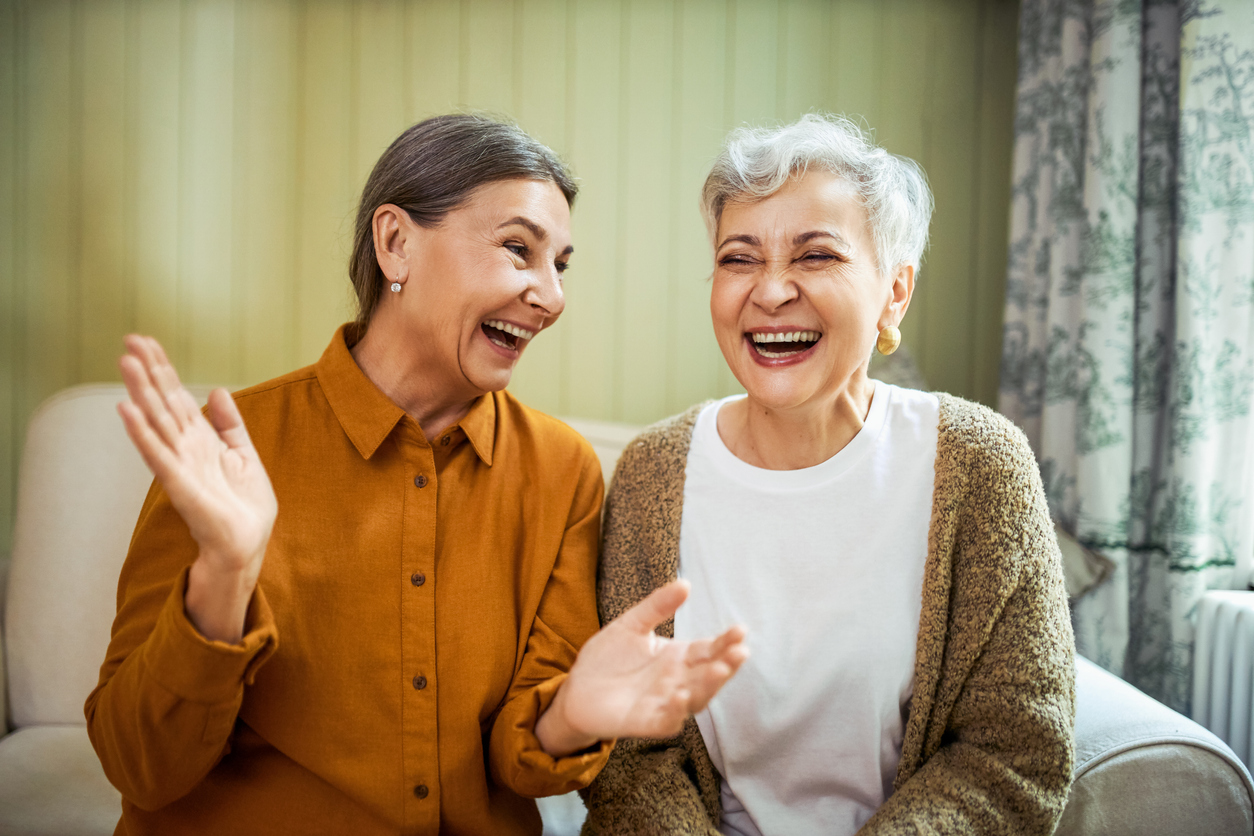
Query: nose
{"x": 773, "y": 287}
{"x": 544, "y": 292}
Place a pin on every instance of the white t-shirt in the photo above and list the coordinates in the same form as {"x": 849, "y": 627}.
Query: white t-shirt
{"x": 824, "y": 565}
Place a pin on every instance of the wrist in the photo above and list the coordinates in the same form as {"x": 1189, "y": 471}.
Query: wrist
{"x": 558, "y": 736}
{"x": 217, "y": 598}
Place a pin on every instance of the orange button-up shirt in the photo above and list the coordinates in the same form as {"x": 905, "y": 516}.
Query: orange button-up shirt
{"x": 418, "y": 607}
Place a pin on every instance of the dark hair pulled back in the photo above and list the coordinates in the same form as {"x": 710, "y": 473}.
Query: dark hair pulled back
{"x": 432, "y": 169}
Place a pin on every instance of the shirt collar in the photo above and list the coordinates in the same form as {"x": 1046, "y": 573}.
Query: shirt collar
{"x": 479, "y": 425}
{"x": 368, "y": 416}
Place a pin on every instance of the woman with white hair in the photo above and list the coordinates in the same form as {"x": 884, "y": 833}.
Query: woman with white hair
{"x": 889, "y": 550}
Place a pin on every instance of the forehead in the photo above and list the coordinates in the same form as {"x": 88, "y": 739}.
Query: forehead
{"x": 539, "y": 201}
{"x": 815, "y": 200}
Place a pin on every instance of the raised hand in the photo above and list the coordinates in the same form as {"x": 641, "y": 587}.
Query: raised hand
{"x": 213, "y": 477}
{"x": 630, "y": 682}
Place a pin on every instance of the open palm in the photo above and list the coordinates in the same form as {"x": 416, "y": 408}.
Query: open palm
{"x": 630, "y": 682}
{"x": 208, "y": 467}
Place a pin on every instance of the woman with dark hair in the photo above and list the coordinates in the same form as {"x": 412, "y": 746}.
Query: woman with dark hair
{"x": 356, "y": 594}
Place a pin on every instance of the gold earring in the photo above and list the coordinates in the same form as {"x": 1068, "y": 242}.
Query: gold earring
{"x": 888, "y": 340}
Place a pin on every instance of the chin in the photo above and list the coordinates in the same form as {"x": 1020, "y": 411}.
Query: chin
{"x": 487, "y": 381}
{"x": 777, "y": 389}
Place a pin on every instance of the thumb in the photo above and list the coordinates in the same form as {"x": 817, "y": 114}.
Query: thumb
{"x": 225, "y": 417}
{"x": 659, "y": 606}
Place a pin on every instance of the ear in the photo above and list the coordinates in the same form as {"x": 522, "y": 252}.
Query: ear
{"x": 902, "y": 289}
{"x": 393, "y": 237}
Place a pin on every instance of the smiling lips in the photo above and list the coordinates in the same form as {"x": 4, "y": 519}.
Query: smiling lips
{"x": 505, "y": 335}
{"x": 781, "y": 344}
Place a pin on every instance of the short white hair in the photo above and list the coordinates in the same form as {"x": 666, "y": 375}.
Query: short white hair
{"x": 757, "y": 162}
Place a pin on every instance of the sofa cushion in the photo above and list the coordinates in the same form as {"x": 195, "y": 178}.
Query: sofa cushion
{"x": 51, "y": 784}
{"x": 1143, "y": 769}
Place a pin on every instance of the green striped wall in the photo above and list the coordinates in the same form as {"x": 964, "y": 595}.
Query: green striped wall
{"x": 189, "y": 169}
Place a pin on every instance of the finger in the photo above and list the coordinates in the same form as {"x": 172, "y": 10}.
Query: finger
{"x": 653, "y": 610}
{"x": 705, "y": 683}
{"x": 164, "y": 379}
{"x": 181, "y": 402}
{"x": 705, "y": 680}
{"x": 147, "y": 399}
{"x": 698, "y": 651}
{"x": 151, "y": 357}
{"x": 225, "y": 417}
{"x": 152, "y": 448}
{"x": 730, "y": 637}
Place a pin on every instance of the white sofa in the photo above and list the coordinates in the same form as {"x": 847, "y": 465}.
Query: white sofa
{"x": 1141, "y": 768}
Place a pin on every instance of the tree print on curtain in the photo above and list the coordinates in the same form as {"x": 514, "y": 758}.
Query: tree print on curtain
{"x": 1128, "y": 349}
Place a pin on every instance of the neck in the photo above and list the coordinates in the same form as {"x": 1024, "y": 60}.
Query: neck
{"x": 408, "y": 382}
{"x": 792, "y": 438}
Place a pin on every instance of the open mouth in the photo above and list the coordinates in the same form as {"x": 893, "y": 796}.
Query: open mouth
{"x": 508, "y": 337}
{"x": 783, "y": 344}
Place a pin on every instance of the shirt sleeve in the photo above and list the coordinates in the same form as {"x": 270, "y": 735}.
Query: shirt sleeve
{"x": 565, "y": 619}
{"x": 162, "y": 713}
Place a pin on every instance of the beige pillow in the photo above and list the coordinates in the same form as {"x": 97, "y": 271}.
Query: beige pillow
{"x": 1082, "y": 568}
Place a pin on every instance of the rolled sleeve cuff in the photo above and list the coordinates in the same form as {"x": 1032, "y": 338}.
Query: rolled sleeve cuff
{"x": 196, "y": 669}
{"x": 524, "y": 765}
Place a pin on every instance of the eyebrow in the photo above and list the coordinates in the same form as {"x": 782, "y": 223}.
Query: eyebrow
{"x": 805, "y": 237}
{"x": 751, "y": 240}
{"x": 535, "y": 229}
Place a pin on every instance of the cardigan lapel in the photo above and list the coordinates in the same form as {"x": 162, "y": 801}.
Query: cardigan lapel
{"x": 948, "y": 489}
{"x": 670, "y": 506}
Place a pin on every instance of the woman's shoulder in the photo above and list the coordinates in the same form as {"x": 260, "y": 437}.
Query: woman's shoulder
{"x": 660, "y": 448}
{"x": 974, "y": 434}
{"x": 550, "y": 436}
{"x": 264, "y": 395}
{"x": 671, "y": 432}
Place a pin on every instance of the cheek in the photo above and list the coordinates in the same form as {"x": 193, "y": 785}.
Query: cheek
{"x": 724, "y": 308}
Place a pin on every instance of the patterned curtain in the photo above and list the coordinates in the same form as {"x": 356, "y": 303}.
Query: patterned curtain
{"x": 1128, "y": 350}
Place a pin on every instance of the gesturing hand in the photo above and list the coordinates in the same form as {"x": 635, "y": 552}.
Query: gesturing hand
{"x": 213, "y": 477}
{"x": 630, "y": 682}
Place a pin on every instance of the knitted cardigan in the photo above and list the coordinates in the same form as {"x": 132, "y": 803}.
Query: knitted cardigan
{"x": 988, "y": 743}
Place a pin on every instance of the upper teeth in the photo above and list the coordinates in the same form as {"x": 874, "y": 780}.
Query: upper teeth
{"x": 786, "y": 337}
{"x": 510, "y": 329}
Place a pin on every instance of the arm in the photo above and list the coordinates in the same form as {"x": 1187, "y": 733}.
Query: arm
{"x": 665, "y": 786}
{"x": 565, "y": 619}
{"x": 555, "y": 731}
{"x": 191, "y": 627}
{"x": 999, "y": 752}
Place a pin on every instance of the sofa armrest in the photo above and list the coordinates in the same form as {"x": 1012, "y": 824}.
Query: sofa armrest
{"x": 4, "y": 681}
{"x": 1143, "y": 768}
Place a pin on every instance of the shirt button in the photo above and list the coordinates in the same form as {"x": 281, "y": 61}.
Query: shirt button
{"x": 420, "y": 682}
{"x": 420, "y": 480}
{"x": 444, "y": 441}
{"x": 420, "y": 791}
{"x": 417, "y": 578}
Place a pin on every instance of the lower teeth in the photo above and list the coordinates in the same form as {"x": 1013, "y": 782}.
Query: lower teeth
{"x": 776, "y": 354}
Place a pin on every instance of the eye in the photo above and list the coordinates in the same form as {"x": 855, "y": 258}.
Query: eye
{"x": 820, "y": 257}
{"x": 736, "y": 260}
{"x": 517, "y": 249}
{"x": 562, "y": 266}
